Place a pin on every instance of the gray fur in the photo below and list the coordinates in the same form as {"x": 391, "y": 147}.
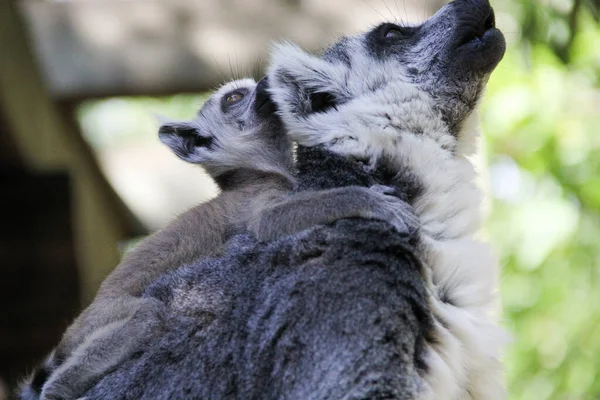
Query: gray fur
{"x": 333, "y": 312}
{"x": 246, "y": 151}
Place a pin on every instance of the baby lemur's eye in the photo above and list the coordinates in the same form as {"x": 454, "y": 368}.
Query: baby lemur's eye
{"x": 391, "y": 31}
{"x": 234, "y": 97}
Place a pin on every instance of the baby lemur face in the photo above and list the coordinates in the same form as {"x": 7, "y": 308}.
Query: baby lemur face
{"x": 237, "y": 128}
{"x": 366, "y": 91}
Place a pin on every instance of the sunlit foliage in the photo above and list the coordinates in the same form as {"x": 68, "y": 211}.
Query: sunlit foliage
{"x": 542, "y": 138}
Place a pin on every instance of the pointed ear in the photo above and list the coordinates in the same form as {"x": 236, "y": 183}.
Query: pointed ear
{"x": 184, "y": 138}
{"x": 301, "y": 83}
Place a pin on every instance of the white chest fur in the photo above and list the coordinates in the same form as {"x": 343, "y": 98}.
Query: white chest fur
{"x": 463, "y": 275}
{"x": 461, "y": 271}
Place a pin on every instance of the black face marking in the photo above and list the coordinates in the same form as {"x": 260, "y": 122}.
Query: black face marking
{"x": 473, "y": 21}
{"x": 188, "y": 138}
{"x": 475, "y": 43}
{"x": 186, "y": 146}
{"x": 263, "y": 104}
{"x": 183, "y": 130}
{"x": 202, "y": 141}
{"x": 380, "y": 45}
{"x": 193, "y": 137}
{"x": 392, "y": 32}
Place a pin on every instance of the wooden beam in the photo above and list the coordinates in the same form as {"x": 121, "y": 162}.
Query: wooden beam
{"x": 97, "y": 48}
{"x": 47, "y": 139}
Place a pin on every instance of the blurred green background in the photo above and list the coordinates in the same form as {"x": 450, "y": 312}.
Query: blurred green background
{"x": 542, "y": 139}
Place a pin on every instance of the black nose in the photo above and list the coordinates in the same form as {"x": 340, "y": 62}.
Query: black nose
{"x": 474, "y": 18}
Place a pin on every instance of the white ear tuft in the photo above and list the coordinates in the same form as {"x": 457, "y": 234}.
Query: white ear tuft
{"x": 281, "y": 54}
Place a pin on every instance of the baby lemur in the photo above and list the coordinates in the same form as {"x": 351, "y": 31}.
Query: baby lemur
{"x": 241, "y": 143}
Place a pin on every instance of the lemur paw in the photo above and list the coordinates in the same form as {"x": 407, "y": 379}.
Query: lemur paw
{"x": 395, "y": 211}
{"x": 383, "y": 189}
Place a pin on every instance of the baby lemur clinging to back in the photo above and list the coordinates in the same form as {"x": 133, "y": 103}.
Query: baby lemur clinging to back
{"x": 239, "y": 140}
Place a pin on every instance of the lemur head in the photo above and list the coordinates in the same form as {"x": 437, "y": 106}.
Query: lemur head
{"x": 368, "y": 90}
{"x": 236, "y": 129}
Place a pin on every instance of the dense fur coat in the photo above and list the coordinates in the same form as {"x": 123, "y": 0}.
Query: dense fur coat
{"x": 333, "y": 312}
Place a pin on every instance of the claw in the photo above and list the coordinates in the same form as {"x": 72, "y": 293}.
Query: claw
{"x": 383, "y": 189}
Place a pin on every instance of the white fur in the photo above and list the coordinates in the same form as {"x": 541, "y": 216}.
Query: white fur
{"x": 399, "y": 121}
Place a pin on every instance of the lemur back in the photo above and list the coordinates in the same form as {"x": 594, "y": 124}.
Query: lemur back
{"x": 239, "y": 140}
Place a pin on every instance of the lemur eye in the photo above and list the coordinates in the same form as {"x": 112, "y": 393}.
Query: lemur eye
{"x": 391, "y": 31}
{"x": 393, "y": 34}
{"x": 234, "y": 97}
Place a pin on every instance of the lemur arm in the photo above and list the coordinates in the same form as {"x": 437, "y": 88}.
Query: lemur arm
{"x": 305, "y": 209}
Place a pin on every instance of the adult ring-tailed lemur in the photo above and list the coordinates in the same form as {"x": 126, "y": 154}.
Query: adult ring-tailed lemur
{"x": 354, "y": 309}
{"x": 405, "y": 99}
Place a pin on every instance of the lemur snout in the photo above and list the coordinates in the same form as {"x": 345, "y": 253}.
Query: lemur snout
{"x": 474, "y": 21}
{"x": 476, "y": 34}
